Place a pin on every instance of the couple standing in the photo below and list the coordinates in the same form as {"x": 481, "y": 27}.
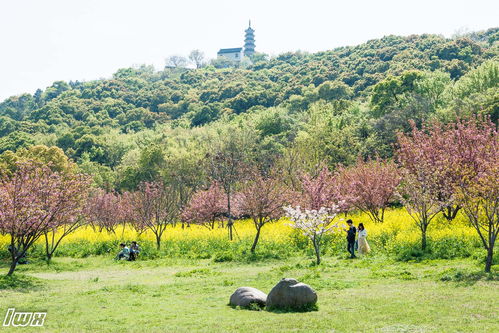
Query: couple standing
{"x": 361, "y": 243}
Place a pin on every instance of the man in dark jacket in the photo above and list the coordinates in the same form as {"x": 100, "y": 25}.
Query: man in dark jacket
{"x": 351, "y": 231}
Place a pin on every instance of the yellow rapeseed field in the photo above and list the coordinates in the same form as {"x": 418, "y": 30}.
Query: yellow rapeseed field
{"x": 397, "y": 223}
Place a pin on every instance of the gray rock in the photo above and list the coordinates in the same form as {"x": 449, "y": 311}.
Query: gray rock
{"x": 244, "y": 296}
{"x": 289, "y": 293}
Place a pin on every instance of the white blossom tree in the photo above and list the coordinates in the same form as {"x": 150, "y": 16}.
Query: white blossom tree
{"x": 314, "y": 223}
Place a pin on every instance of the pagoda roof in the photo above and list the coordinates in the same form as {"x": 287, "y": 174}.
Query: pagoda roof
{"x": 232, "y": 50}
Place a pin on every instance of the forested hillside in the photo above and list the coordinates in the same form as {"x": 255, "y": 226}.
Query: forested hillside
{"x": 295, "y": 110}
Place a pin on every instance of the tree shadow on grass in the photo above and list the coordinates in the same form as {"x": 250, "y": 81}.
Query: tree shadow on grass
{"x": 303, "y": 308}
{"x": 468, "y": 278}
{"x": 260, "y": 307}
{"x": 251, "y": 307}
{"x": 20, "y": 283}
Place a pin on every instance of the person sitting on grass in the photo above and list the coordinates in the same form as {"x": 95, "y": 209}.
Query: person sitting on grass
{"x": 124, "y": 253}
{"x": 134, "y": 251}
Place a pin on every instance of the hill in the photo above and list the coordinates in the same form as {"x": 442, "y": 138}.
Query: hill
{"x": 329, "y": 106}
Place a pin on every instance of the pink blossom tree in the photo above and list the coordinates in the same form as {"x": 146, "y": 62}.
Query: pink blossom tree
{"x": 476, "y": 159}
{"x": 206, "y": 206}
{"x": 105, "y": 210}
{"x": 153, "y": 207}
{"x": 421, "y": 190}
{"x": 320, "y": 191}
{"x": 33, "y": 201}
{"x": 417, "y": 193}
{"x": 444, "y": 168}
{"x": 429, "y": 149}
{"x": 369, "y": 186}
{"x": 263, "y": 200}
{"x": 74, "y": 189}
{"x": 480, "y": 202}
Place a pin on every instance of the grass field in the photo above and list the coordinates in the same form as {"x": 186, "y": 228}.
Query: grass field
{"x": 377, "y": 294}
{"x": 185, "y": 286}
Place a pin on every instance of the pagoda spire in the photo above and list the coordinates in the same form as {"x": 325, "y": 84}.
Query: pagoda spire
{"x": 249, "y": 41}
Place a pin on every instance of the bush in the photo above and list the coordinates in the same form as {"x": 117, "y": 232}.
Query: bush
{"x": 223, "y": 257}
{"x": 450, "y": 248}
{"x": 444, "y": 248}
{"x": 409, "y": 252}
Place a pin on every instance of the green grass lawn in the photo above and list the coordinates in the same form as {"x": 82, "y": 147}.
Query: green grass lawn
{"x": 366, "y": 295}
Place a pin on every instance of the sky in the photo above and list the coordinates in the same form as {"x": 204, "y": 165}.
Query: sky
{"x": 42, "y": 41}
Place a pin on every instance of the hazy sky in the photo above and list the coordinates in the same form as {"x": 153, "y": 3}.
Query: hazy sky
{"x": 47, "y": 40}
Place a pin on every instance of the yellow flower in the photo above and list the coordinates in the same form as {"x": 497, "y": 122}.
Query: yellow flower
{"x": 397, "y": 223}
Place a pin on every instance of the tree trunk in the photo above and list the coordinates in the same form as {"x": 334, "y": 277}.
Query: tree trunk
{"x": 13, "y": 256}
{"x": 12, "y": 268}
{"x": 423, "y": 238}
{"x": 158, "y": 242}
{"x": 317, "y": 249}
{"x": 257, "y": 236}
{"x": 490, "y": 257}
{"x": 450, "y": 212}
{"x": 47, "y": 251}
{"x": 229, "y": 226}
{"x": 230, "y": 222}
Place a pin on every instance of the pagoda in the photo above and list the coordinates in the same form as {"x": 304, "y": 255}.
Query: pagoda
{"x": 249, "y": 41}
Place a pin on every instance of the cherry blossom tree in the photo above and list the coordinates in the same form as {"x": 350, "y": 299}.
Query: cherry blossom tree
{"x": 321, "y": 198}
{"x": 369, "y": 186}
{"x": 74, "y": 189}
{"x": 153, "y": 207}
{"x": 429, "y": 149}
{"x": 206, "y": 206}
{"x": 263, "y": 200}
{"x": 105, "y": 210}
{"x": 314, "y": 224}
{"x": 476, "y": 159}
{"x": 421, "y": 190}
{"x": 320, "y": 191}
{"x": 417, "y": 193}
{"x": 444, "y": 168}
{"x": 34, "y": 201}
{"x": 480, "y": 202}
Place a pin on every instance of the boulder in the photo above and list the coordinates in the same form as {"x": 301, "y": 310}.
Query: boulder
{"x": 289, "y": 293}
{"x": 244, "y": 296}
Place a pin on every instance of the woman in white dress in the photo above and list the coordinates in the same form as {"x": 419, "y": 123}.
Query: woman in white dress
{"x": 363, "y": 244}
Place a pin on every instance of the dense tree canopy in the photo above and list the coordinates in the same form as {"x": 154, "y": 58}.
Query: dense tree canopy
{"x": 297, "y": 109}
